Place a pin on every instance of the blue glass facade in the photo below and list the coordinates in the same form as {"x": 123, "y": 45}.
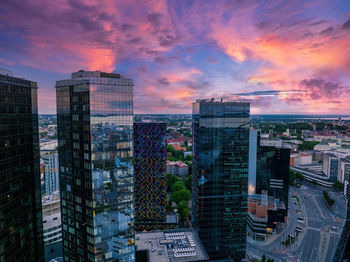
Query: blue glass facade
{"x": 95, "y": 132}
{"x": 220, "y": 176}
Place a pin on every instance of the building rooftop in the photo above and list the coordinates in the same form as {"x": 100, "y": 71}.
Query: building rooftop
{"x": 49, "y": 199}
{"x": 345, "y": 160}
{"x": 176, "y": 163}
{"x": 330, "y": 154}
{"x": 171, "y": 246}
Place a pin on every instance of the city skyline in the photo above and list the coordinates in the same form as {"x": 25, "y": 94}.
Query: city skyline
{"x": 283, "y": 58}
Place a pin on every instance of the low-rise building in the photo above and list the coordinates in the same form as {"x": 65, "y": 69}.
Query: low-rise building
{"x": 177, "y": 147}
{"x": 271, "y": 142}
{"x": 169, "y": 246}
{"x": 301, "y": 158}
{"x": 265, "y": 215}
{"x": 177, "y": 168}
{"x": 51, "y": 208}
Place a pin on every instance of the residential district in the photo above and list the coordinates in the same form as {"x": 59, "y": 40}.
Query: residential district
{"x": 219, "y": 185}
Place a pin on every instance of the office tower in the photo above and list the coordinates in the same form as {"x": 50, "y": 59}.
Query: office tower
{"x": 253, "y": 147}
{"x": 150, "y": 176}
{"x": 95, "y": 132}
{"x": 220, "y": 176}
{"x": 51, "y": 173}
{"x": 21, "y": 235}
{"x": 330, "y": 166}
{"x": 272, "y": 172}
{"x": 342, "y": 253}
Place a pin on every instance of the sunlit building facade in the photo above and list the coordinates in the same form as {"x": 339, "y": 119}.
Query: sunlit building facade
{"x": 95, "y": 133}
{"x": 220, "y": 176}
{"x": 21, "y": 229}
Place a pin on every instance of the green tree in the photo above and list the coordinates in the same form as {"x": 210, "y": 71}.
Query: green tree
{"x": 183, "y": 209}
{"x": 179, "y": 154}
{"x": 188, "y": 158}
{"x": 292, "y": 177}
{"x": 320, "y": 126}
{"x": 188, "y": 182}
{"x": 170, "y": 181}
{"x": 170, "y": 149}
{"x": 263, "y": 259}
{"x": 168, "y": 205}
{"x": 328, "y": 199}
{"x": 179, "y": 185}
{"x": 307, "y": 145}
{"x": 338, "y": 185}
{"x": 178, "y": 196}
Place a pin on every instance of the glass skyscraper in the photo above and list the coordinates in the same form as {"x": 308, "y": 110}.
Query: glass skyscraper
{"x": 21, "y": 232}
{"x": 220, "y": 176}
{"x": 272, "y": 172}
{"x": 150, "y": 170}
{"x": 95, "y": 133}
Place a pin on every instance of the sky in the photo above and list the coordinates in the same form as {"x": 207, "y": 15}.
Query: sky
{"x": 285, "y": 57}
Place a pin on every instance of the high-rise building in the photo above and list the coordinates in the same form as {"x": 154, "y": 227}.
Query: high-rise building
{"x": 150, "y": 176}
{"x": 95, "y": 133}
{"x": 51, "y": 173}
{"x": 272, "y": 172}
{"x": 21, "y": 229}
{"x": 220, "y": 176}
{"x": 342, "y": 253}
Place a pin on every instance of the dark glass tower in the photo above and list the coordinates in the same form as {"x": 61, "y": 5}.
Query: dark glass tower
{"x": 342, "y": 252}
{"x": 150, "y": 171}
{"x": 272, "y": 172}
{"x": 220, "y": 176}
{"x": 21, "y": 232}
{"x": 95, "y": 132}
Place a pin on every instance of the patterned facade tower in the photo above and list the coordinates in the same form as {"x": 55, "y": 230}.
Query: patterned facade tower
{"x": 150, "y": 175}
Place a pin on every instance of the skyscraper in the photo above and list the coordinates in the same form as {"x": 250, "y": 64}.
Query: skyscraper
{"x": 21, "y": 230}
{"x": 272, "y": 172}
{"x": 220, "y": 176}
{"x": 150, "y": 180}
{"x": 51, "y": 173}
{"x": 95, "y": 132}
{"x": 342, "y": 253}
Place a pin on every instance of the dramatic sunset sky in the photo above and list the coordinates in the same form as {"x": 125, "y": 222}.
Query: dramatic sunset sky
{"x": 283, "y": 56}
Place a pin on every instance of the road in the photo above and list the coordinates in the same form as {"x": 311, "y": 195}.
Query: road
{"x": 320, "y": 234}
